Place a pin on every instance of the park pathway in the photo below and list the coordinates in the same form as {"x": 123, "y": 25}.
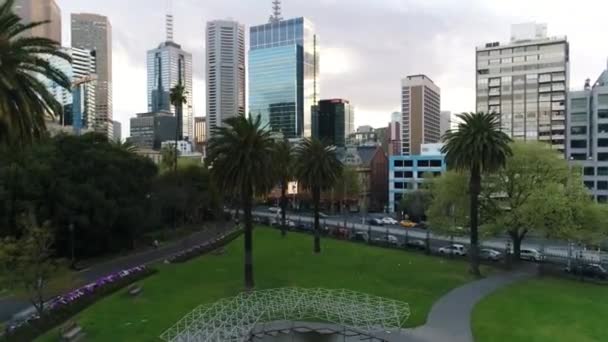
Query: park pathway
{"x": 450, "y": 316}
{"x": 10, "y": 306}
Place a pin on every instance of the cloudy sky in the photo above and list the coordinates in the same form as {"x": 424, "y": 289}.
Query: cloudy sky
{"x": 367, "y": 46}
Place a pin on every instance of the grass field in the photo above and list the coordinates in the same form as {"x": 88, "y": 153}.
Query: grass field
{"x": 278, "y": 262}
{"x": 543, "y": 310}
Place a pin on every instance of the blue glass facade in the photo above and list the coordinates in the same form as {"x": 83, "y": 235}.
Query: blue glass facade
{"x": 283, "y": 75}
{"x": 406, "y": 173}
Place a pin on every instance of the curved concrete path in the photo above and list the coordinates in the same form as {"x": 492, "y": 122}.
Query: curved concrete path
{"x": 450, "y": 316}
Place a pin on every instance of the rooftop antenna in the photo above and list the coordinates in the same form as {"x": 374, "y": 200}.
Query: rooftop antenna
{"x": 169, "y": 21}
{"x": 276, "y": 11}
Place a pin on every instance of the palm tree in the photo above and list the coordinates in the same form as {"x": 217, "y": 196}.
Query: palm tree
{"x": 126, "y": 146}
{"x": 25, "y": 101}
{"x": 178, "y": 99}
{"x": 283, "y": 158}
{"x": 317, "y": 168}
{"x": 240, "y": 155}
{"x": 477, "y": 146}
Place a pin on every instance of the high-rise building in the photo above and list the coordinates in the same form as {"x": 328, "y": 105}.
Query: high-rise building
{"x": 420, "y": 123}
{"x": 284, "y": 74}
{"x": 394, "y": 138}
{"x": 526, "y": 83}
{"x": 117, "y": 131}
{"x": 396, "y": 117}
{"x": 37, "y": 11}
{"x": 150, "y": 130}
{"x": 94, "y": 32}
{"x": 168, "y": 66}
{"x": 333, "y": 121}
{"x": 587, "y": 143}
{"x": 445, "y": 122}
{"x": 225, "y": 72}
{"x": 200, "y": 133}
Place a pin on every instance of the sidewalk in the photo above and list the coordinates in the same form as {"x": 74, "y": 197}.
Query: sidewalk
{"x": 10, "y": 306}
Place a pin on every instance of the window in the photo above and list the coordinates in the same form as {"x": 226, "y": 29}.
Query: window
{"x": 602, "y": 185}
{"x": 494, "y": 61}
{"x": 518, "y": 50}
{"x": 602, "y": 142}
{"x": 398, "y": 163}
{"x": 494, "y": 52}
{"x": 602, "y": 157}
{"x": 581, "y": 156}
{"x": 518, "y": 59}
{"x": 602, "y": 199}
{"x": 435, "y": 163}
{"x": 399, "y": 185}
{"x": 603, "y": 128}
{"x": 532, "y": 48}
{"x": 399, "y": 174}
{"x": 408, "y": 174}
{"x": 483, "y": 71}
{"x": 578, "y": 144}
{"x": 506, "y": 60}
{"x": 506, "y": 51}
{"x": 589, "y": 171}
{"x": 579, "y": 104}
{"x": 602, "y": 171}
{"x": 423, "y": 163}
{"x": 408, "y": 163}
{"x": 589, "y": 185}
{"x": 421, "y": 174}
{"x": 602, "y": 113}
{"x": 602, "y": 100}
{"x": 578, "y": 130}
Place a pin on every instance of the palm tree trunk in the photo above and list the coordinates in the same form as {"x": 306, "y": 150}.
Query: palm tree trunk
{"x": 247, "y": 206}
{"x": 283, "y": 207}
{"x": 475, "y": 189}
{"x": 316, "y": 197}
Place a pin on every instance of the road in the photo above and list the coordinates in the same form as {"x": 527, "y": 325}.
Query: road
{"x": 11, "y": 307}
{"x": 553, "y": 249}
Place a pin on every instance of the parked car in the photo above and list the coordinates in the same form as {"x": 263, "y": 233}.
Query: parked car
{"x": 305, "y": 226}
{"x": 388, "y": 239}
{"x": 389, "y": 220}
{"x": 275, "y": 210}
{"x": 589, "y": 270}
{"x": 530, "y": 254}
{"x": 455, "y": 249}
{"x": 323, "y": 215}
{"x": 375, "y": 222}
{"x": 360, "y": 236}
{"x": 290, "y": 224}
{"x": 407, "y": 224}
{"x": 416, "y": 243}
{"x": 490, "y": 254}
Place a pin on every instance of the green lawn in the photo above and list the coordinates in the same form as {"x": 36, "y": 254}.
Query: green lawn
{"x": 543, "y": 310}
{"x": 278, "y": 262}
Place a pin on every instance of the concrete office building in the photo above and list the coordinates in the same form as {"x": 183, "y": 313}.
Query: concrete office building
{"x": 225, "y": 72}
{"x": 200, "y": 133}
{"x": 420, "y": 122}
{"x": 407, "y": 172}
{"x": 526, "y": 83}
{"x": 93, "y": 32}
{"x": 333, "y": 121}
{"x": 150, "y": 130}
{"x": 167, "y": 66}
{"x": 284, "y": 74}
{"x": 117, "y": 131}
{"x": 37, "y": 11}
{"x": 394, "y": 138}
{"x": 588, "y": 136}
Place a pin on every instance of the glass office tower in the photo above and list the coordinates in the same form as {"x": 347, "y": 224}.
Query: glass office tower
{"x": 283, "y": 75}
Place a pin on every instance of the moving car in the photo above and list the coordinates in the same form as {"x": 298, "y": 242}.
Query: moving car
{"x": 375, "y": 222}
{"x": 589, "y": 270}
{"x": 530, "y": 254}
{"x": 275, "y": 210}
{"x": 455, "y": 249}
{"x": 490, "y": 254}
{"x": 407, "y": 224}
{"x": 416, "y": 243}
{"x": 389, "y": 220}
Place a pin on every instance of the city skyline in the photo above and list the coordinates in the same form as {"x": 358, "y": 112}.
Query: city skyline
{"x": 347, "y": 53}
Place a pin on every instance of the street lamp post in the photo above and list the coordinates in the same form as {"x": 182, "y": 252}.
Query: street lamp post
{"x": 71, "y": 228}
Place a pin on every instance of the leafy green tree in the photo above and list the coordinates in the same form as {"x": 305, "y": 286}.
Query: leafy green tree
{"x": 348, "y": 186}
{"x": 318, "y": 169}
{"x": 178, "y": 98}
{"x": 24, "y": 99}
{"x": 531, "y": 171}
{"x": 168, "y": 158}
{"x": 416, "y": 203}
{"x": 283, "y": 166}
{"x": 449, "y": 207}
{"x": 240, "y": 156}
{"x": 126, "y": 146}
{"x": 478, "y": 146}
{"x": 27, "y": 263}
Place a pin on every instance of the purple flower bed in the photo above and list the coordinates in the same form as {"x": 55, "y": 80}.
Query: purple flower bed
{"x": 204, "y": 248}
{"x": 89, "y": 289}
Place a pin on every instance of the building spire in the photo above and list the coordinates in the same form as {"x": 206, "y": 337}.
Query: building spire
{"x": 276, "y": 11}
{"x": 169, "y": 21}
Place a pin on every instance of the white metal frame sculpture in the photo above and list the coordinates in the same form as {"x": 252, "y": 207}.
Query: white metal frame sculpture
{"x": 233, "y": 319}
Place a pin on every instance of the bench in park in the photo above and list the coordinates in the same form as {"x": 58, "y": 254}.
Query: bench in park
{"x": 134, "y": 290}
{"x": 71, "y": 332}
